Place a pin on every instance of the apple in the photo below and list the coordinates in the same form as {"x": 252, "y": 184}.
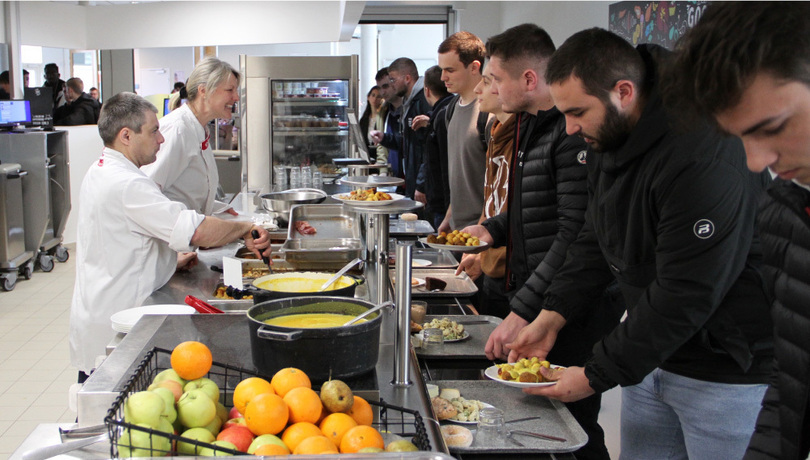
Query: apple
{"x": 370, "y": 450}
{"x": 205, "y": 384}
{"x": 234, "y": 413}
{"x": 240, "y": 436}
{"x": 265, "y": 439}
{"x": 172, "y": 385}
{"x": 169, "y": 374}
{"x": 144, "y": 407}
{"x": 209, "y": 452}
{"x": 240, "y": 421}
{"x": 197, "y": 434}
{"x": 169, "y": 412}
{"x": 402, "y": 445}
{"x": 195, "y": 409}
{"x": 222, "y": 412}
{"x": 214, "y": 426}
{"x": 136, "y": 443}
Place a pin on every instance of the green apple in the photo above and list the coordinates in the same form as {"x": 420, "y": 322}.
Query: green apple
{"x": 144, "y": 407}
{"x": 205, "y": 384}
{"x": 195, "y": 409}
{"x": 169, "y": 374}
{"x": 197, "y": 434}
{"x": 370, "y": 450}
{"x": 136, "y": 443}
{"x": 209, "y": 452}
{"x": 171, "y": 385}
{"x": 169, "y": 412}
{"x": 265, "y": 439}
{"x": 214, "y": 426}
{"x": 403, "y": 445}
{"x": 222, "y": 412}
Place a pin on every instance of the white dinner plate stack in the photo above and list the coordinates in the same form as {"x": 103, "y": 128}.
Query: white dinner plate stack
{"x": 125, "y": 319}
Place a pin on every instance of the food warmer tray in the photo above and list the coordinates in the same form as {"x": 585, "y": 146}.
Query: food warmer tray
{"x": 438, "y": 258}
{"x": 555, "y": 419}
{"x": 399, "y": 227}
{"x": 331, "y": 221}
{"x": 457, "y": 286}
{"x": 320, "y": 254}
{"x": 478, "y": 326}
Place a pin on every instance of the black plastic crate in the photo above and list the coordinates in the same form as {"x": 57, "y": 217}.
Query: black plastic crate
{"x": 394, "y": 419}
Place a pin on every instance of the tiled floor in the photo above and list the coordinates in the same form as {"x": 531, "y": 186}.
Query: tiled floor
{"x": 35, "y": 372}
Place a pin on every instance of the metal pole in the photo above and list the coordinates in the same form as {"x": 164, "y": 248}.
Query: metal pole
{"x": 403, "y": 310}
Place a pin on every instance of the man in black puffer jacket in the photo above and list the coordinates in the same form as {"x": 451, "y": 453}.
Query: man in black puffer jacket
{"x": 746, "y": 65}
{"x": 547, "y": 199}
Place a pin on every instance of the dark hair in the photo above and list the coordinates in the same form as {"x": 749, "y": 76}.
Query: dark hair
{"x": 4, "y": 77}
{"x": 367, "y": 111}
{"x": 382, "y": 73}
{"x": 76, "y": 84}
{"x": 433, "y": 81}
{"x": 52, "y": 66}
{"x": 25, "y": 72}
{"x": 600, "y": 59}
{"x": 178, "y": 85}
{"x": 525, "y": 44}
{"x": 405, "y": 66}
{"x": 124, "y": 110}
{"x": 469, "y": 47}
{"x": 719, "y": 58}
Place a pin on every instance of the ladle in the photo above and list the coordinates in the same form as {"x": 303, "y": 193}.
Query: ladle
{"x": 340, "y": 273}
{"x": 368, "y": 312}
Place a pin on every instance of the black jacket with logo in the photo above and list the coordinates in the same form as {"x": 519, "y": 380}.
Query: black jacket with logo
{"x": 671, "y": 217}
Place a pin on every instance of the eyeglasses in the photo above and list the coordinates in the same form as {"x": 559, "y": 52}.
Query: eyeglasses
{"x": 394, "y": 80}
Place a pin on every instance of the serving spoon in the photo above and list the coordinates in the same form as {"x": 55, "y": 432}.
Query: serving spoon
{"x": 368, "y": 312}
{"x": 340, "y": 273}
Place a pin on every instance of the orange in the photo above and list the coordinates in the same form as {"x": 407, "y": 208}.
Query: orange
{"x": 289, "y": 378}
{"x": 191, "y": 360}
{"x": 361, "y": 411}
{"x": 247, "y": 389}
{"x": 305, "y": 405}
{"x": 359, "y": 437}
{"x": 315, "y": 445}
{"x": 271, "y": 449}
{"x": 266, "y": 414}
{"x": 334, "y": 426}
{"x": 297, "y": 432}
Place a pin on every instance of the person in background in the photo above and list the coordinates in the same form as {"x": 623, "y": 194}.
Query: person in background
{"x": 671, "y": 218}
{"x": 491, "y": 263}
{"x": 437, "y": 183}
{"x": 185, "y": 169}
{"x": 547, "y": 198}
{"x": 5, "y": 86}
{"x": 53, "y": 81}
{"x": 461, "y": 58}
{"x": 368, "y": 121}
{"x": 95, "y": 94}
{"x": 178, "y": 85}
{"x": 25, "y": 78}
{"x": 745, "y": 65}
{"x": 388, "y": 121}
{"x": 81, "y": 109}
{"x": 127, "y": 245}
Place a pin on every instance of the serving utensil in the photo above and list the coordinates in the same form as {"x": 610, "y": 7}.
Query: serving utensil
{"x": 537, "y": 435}
{"x": 368, "y": 312}
{"x": 265, "y": 259}
{"x": 202, "y": 306}
{"x": 340, "y": 273}
{"x": 51, "y": 451}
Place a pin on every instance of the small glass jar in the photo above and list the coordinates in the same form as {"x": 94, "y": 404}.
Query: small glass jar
{"x": 491, "y": 430}
{"x": 432, "y": 340}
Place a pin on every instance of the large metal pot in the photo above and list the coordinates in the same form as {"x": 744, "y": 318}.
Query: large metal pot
{"x": 281, "y": 202}
{"x": 345, "y": 286}
{"x": 344, "y": 351}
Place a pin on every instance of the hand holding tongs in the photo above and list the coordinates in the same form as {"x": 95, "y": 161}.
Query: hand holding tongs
{"x": 202, "y": 306}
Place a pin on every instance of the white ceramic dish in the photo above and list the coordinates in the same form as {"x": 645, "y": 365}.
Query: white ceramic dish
{"x": 492, "y": 373}
{"x": 125, "y": 319}
{"x": 473, "y": 422}
{"x": 421, "y": 263}
{"x": 464, "y": 336}
{"x": 394, "y": 197}
{"x": 453, "y": 247}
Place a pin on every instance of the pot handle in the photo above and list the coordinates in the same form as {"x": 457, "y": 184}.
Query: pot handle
{"x": 267, "y": 334}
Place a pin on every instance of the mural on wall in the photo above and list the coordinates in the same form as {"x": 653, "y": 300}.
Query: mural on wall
{"x": 661, "y": 23}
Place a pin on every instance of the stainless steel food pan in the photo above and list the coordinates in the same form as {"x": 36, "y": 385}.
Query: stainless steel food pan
{"x": 321, "y": 254}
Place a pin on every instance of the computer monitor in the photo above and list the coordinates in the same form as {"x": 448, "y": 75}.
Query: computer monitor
{"x": 15, "y": 112}
{"x": 357, "y": 136}
{"x": 166, "y": 108}
{"x": 41, "y": 99}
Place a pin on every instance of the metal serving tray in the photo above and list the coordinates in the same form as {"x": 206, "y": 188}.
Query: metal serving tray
{"x": 321, "y": 254}
{"x": 478, "y": 326}
{"x": 554, "y": 418}
{"x": 438, "y": 258}
{"x": 457, "y": 286}
{"x": 398, "y": 227}
{"x": 331, "y": 221}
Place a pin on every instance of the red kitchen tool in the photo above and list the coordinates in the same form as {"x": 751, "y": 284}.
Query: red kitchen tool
{"x": 201, "y": 305}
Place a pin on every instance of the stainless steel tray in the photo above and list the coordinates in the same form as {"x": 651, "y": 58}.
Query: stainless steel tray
{"x": 439, "y": 258}
{"x": 554, "y": 418}
{"x": 331, "y": 221}
{"x": 457, "y": 286}
{"x": 321, "y": 254}
{"x": 412, "y": 228}
{"x": 478, "y": 326}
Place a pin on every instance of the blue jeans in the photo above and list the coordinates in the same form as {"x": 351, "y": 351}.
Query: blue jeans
{"x": 668, "y": 416}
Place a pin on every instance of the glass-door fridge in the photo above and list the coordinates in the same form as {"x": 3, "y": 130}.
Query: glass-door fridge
{"x": 294, "y": 117}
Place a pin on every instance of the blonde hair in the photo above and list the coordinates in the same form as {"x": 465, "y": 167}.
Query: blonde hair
{"x": 210, "y": 73}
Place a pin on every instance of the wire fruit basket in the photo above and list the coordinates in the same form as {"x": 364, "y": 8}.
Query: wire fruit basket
{"x": 144, "y": 441}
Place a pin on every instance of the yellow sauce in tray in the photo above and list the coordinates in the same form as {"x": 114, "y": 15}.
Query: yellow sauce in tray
{"x": 311, "y": 320}
{"x": 301, "y": 284}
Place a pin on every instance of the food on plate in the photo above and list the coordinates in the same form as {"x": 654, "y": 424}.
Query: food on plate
{"x": 454, "y": 238}
{"x": 370, "y": 194}
{"x": 466, "y": 409}
{"x": 443, "y": 408}
{"x": 304, "y": 228}
{"x": 435, "y": 284}
{"x": 450, "y": 394}
{"x": 457, "y": 436}
{"x": 451, "y": 330}
{"x": 223, "y": 294}
{"x": 526, "y": 370}
{"x": 415, "y": 327}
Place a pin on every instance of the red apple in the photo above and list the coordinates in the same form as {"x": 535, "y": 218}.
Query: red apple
{"x": 240, "y": 421}
{"x": 239, "y": 435}
{"x": 234, "y": 413}
{"x": 171, "y": 385}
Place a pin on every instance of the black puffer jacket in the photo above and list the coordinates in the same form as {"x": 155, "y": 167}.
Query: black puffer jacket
{"x": 410, "y": 143}
{"x": 547, "y": 200}
{"x": 83, "y": 111}
{"x": 783, "y": 426}
{"x": 671, "y": 217}
{"x": 437, "y": 184}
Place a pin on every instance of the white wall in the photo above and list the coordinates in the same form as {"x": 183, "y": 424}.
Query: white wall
{"x": 559, "y": 19}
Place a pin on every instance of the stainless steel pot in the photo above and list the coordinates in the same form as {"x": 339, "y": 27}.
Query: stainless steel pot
{"x": 281, "y": 202}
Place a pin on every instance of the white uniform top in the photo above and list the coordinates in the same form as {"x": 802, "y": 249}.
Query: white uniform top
{"x": 127, "y": 237}
{"x": 184, "y": 170}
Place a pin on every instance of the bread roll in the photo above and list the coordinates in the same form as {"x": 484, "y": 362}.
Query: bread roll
{"x": 457, "y": 436}
{"x": 443, "y": 408}
{"x": 450, "y": 394}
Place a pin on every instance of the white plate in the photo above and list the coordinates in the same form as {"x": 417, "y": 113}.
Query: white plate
{"x": 464, "y": 336}
{"x": 419, "y": 282}
{"x": 394, "y": 197}
{"x": 125, "y": 319}
{"x": 492, "y": 372}
{"x": 469, "y": 422}
{"x": 421, "y": 263}
{"x": 453, "y": 247}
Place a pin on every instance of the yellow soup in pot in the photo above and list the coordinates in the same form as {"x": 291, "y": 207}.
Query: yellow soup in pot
{"x": 311, "y": 320}
{"x": 301, "y": 284}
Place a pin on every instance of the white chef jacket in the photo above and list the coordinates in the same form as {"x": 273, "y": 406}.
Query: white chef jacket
{"x": 183, "y": 170}
{"x": 127, "y": 240}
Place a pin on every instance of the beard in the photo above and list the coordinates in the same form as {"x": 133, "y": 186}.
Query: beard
{"x": 613, "y": 132}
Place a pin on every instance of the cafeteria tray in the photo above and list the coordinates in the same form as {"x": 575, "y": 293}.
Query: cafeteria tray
{"x": 554, "y": 418}
{"x": 409, "y": 228}
{"x": 321, "y": 254}
{"x": 457, "y": 286}
{"x": 439, "y": 258}
{"x": 478, "y": 326}
{"x": 331, "y": 221}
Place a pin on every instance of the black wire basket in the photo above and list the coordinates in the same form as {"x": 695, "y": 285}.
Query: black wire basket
{"x": 403, "y": 422}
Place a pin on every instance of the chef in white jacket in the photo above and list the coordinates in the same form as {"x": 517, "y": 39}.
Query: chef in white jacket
{"x": 185, "y": 168}
{"x": 130, "y": 233}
